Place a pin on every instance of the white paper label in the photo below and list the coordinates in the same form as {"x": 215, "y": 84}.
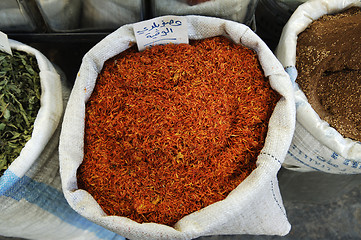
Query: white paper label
{"x": 4, "y": 43}
{"x": 160, "y": 31}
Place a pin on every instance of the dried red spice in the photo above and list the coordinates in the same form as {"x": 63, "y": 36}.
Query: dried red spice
{"x": 174, "y": 128}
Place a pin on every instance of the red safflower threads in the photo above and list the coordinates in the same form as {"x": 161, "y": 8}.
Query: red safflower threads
{"x": 174, "y": 128}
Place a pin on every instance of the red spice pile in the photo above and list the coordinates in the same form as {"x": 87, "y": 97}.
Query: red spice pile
{"x": 174, "y": 128}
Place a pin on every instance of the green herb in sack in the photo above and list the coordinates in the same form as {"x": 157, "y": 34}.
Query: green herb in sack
{"x": 19, "y": 103}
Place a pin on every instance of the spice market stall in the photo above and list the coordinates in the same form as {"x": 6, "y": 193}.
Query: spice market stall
{"x": 64, "y": 31}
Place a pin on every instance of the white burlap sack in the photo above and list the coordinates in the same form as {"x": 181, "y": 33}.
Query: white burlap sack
{"x": 254, "y": 207}
{"x": 316, "y": 146}
{"x": 237, "y": 10}
{"x": 32, "y": 205}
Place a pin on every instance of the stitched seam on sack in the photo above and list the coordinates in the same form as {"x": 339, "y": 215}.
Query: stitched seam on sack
{"x": 270, "y": 155}
{"x": 272, "y": 184}
{"x": 276, "y": 200}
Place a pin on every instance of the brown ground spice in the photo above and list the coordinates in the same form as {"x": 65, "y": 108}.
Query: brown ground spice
{"x": 328, "y": 64}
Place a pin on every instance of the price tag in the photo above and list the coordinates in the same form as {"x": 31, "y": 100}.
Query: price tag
{"x": 4, "y": 43}
{"x": 160, "y": 31}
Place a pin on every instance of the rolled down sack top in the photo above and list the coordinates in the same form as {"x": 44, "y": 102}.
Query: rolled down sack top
{"x": 252, "y": 208}
{"x": 316, "y": 145}
{"x": 48, "y": 116}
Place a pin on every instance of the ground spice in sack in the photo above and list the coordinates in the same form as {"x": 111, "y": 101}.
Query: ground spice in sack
{"x": 174, "y": 128}
{"x": 19, "y": 103}
{"x": 328, "y": 63}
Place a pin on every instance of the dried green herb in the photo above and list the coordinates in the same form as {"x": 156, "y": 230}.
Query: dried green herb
{"x": 19, "y": 103}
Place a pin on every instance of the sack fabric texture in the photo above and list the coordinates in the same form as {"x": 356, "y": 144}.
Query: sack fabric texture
{"x": 254, "y": 207}
{"x": 316, "y": 146}
{"x": 32, "y": 204}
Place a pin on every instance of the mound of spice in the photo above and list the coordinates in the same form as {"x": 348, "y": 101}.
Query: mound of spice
{"x": 19, "y": 103}
{"x": 174, "y": 128}
{"x": 328, "y": 63}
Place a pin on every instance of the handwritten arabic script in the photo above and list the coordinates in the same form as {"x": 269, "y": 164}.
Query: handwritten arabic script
{"x": 162, "y": 30}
